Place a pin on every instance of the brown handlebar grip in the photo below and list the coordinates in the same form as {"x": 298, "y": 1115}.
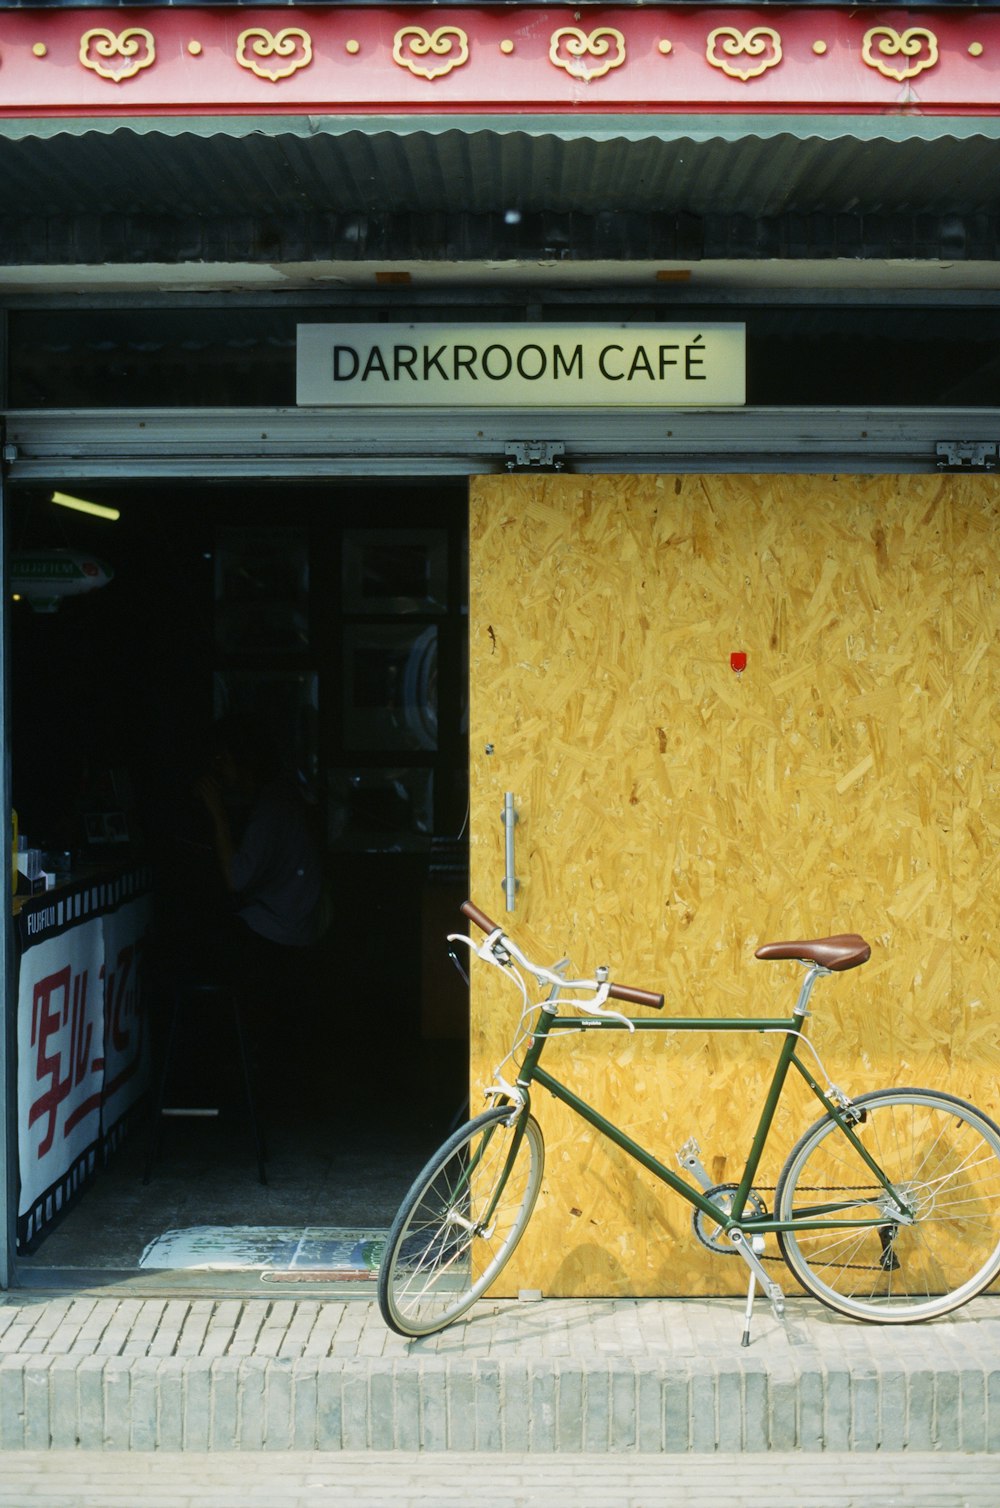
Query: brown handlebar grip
{"x": 637, "y": 997}
{"x": 480, "y": 918}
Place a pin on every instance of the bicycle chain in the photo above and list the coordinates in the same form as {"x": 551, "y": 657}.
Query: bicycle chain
{"x": 827, "y": 1188}
{"x": 822, "y": 1188}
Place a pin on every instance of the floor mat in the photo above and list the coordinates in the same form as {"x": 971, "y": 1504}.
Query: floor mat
{"x": 330, "y": 1250}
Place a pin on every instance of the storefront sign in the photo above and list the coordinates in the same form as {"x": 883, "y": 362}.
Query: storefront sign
{"x": 522, "y": 366}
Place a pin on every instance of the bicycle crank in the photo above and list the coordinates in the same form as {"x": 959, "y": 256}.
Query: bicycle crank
{"x": 709, "y": 1231}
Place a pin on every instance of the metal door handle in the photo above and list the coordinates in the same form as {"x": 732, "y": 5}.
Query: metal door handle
{"x": 509, "y": 819}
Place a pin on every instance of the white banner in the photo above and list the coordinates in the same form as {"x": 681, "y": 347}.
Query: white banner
{"x": 82, "y": 1037}
{"x": 60, "y": 1067}
{"x": 522, "y": 366}
{"x": 126, "y": 1047}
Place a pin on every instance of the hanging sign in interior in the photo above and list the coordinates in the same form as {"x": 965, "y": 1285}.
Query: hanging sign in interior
{"x": 522, "y": 366}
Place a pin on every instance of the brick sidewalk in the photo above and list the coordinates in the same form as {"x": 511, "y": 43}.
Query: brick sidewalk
{"x": 639, "y": 1376}
{"x": 57, "y": 1479}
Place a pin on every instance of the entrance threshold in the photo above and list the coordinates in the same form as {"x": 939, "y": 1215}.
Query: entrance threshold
{"x": 144, "y": 1283}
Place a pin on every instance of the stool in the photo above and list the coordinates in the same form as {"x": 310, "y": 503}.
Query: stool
{"x": 186, "y": 994}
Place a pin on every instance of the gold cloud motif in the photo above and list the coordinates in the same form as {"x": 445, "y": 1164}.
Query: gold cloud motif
{"x": 587, "y": 57}
{"x": 449, "y": 44}
{"x": 884, "y": 42}
{"x": 726, "y": 43}
{"x": 257, "y": 43}
{"x": 117, "y": 57}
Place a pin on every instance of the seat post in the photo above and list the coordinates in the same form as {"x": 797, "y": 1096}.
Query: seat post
{"x": 814, "y": 971}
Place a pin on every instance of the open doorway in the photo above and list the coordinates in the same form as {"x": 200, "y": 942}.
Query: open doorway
{"x": 338, "y": 614}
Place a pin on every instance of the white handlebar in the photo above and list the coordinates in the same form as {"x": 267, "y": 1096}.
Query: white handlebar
{"x": 502, "y": 952}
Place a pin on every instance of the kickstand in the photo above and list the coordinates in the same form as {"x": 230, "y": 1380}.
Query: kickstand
{"x": 751, "y": 1255}
{"x": 751, "y": 1288}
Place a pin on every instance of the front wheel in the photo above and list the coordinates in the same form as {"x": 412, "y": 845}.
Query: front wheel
{"x": 941, "y": 1157}
{"x": 459, "y": 1224}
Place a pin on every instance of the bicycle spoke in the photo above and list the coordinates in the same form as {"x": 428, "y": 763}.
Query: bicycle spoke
{"x": 943, "y": 1158}
{"x": 460, "y": 1222}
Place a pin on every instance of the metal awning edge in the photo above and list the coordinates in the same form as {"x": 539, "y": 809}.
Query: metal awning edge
{"x": 632, "y": 127}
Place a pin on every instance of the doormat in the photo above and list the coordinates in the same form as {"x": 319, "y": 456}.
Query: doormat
{"x": 279, "y": 1253}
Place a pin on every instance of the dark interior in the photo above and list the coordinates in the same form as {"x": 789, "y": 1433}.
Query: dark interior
{"x": 338, "y": 613}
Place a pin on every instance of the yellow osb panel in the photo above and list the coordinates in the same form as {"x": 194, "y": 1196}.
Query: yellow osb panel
{"x": 673, "y": 815}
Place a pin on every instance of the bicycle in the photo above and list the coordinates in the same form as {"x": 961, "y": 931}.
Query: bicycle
{"x": 887, "y": 1208}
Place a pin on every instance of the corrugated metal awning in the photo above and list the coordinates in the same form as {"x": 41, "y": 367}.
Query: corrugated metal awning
{"x": 293, "y": 187}
{"x": 739, "y": 164}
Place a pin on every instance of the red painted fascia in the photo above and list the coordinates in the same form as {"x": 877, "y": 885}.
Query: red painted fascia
{"x": 413, "y": 62}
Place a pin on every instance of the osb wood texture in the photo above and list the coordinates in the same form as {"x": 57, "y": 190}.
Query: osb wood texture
{"x": 674, "y": 815}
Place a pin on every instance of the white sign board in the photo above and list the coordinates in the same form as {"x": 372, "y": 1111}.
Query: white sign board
{"x": 82, "y": 1037}
{"x": 522, "y": 366}
{"x": 60, "y": 1064}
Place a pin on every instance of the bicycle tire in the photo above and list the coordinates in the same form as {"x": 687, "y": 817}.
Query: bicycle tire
{"x": 943, "y": 1155}
{"x": 439, "y": 1257}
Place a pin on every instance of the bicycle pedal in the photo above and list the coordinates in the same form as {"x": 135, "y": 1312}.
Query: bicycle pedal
{"x": 689, "y": 1157}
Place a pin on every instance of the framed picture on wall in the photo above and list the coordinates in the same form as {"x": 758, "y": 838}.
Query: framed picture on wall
{"x": 395, "y": 570}
{"x": 390, "y": 686}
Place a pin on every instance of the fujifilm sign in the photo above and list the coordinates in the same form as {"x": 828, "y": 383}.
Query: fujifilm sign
{"x": 522, "y": 366}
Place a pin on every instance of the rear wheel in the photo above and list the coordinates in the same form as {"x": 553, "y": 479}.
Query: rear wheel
{"x": 459, "y": 1224}
{"x": 942, "y": 1157}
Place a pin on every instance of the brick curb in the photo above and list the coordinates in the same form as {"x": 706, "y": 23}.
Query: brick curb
{"x": 676, "y": 1381}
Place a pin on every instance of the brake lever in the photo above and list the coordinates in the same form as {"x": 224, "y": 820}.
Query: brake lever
{"x": 595, "y": 1007}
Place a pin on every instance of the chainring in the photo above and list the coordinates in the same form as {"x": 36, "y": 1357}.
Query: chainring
{"x": 709, "y": 1232}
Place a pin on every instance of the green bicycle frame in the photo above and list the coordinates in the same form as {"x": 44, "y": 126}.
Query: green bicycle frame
{"x": 820, "y": 1216}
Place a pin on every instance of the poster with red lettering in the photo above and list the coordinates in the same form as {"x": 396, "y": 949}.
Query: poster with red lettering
{"x": 82, "y": 1038}
{"x": 60, "y": 1069}
{"x": 126, "y": 1036}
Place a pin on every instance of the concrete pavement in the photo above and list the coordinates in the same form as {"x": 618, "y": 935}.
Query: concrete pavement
{"x": 58, "y": 1479}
